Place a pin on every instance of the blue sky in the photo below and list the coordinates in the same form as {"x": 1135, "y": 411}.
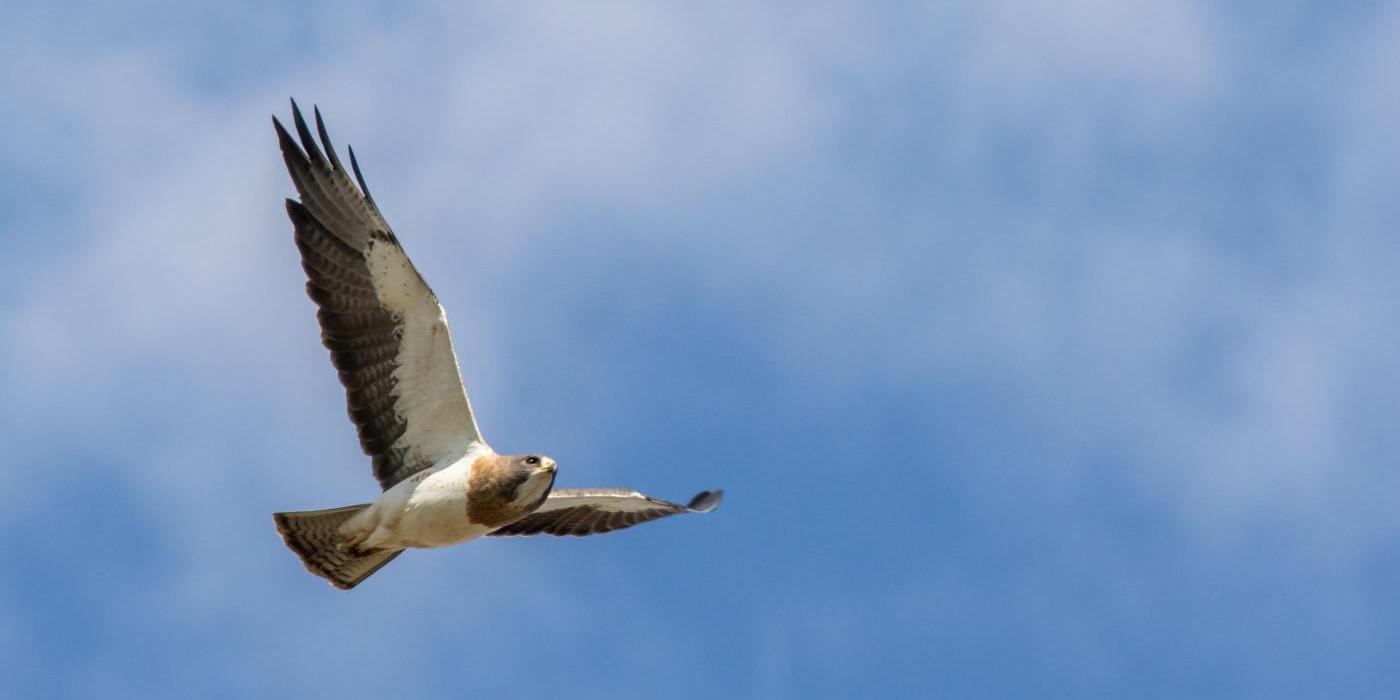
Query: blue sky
{"x": 1043, "y": 349}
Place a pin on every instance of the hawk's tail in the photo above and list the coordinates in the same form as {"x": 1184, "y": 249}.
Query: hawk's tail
{"x": 315, "y": 537}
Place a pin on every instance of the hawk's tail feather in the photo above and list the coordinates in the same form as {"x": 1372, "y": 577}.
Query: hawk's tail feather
{"x": 315, "y": 537}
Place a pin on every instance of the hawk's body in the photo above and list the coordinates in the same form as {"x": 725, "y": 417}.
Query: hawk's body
{"x": 428, "y": 509}
{"x": 388, "y": 337}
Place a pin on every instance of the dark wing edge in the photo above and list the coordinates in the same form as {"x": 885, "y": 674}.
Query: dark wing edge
{"x": 581, "y": 512}
{"x": 336, "y": 225}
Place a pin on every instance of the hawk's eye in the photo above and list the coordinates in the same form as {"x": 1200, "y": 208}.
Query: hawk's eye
{"x": 532, "y": 461}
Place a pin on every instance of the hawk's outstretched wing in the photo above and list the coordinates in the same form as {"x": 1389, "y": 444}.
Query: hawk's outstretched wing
{"x": 384, "y": 327}
{"x": 592, "y": 511}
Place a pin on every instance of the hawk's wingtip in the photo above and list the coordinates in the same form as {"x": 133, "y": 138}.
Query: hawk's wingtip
{"x": 705, "y": 501}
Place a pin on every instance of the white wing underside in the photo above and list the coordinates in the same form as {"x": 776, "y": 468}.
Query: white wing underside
{"x": 610, "y": 500}
{"x": 430, "y": 394}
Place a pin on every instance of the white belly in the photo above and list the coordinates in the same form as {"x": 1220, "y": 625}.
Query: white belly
{"x": 428, "y": 511}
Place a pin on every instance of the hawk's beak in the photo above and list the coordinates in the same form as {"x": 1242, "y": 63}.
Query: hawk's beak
{"x": 549, "y": 465}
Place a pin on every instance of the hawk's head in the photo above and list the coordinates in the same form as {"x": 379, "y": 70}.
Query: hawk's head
{"x": 504, "y": 488}
{"x": 532, "y": 476}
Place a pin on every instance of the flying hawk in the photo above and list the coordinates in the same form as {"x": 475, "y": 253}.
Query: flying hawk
{"x": 387, "y": 334}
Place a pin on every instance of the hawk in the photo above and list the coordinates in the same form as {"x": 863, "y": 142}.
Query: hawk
{"x": 387, "y": 335}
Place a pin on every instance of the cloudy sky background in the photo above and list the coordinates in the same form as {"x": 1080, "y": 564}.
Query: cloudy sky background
{"x": 1044, "y": 349}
